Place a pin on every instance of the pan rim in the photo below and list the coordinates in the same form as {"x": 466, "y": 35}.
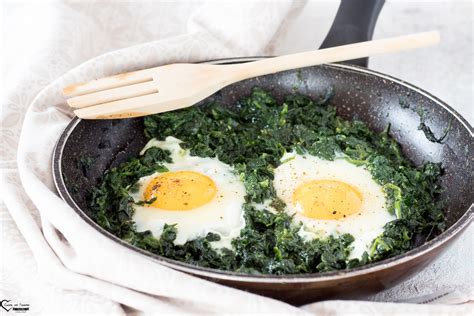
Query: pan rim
{"x": 412, "y": 254}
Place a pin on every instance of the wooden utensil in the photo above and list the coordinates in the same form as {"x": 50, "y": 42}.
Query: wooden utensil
{"x": 176, "y": 86}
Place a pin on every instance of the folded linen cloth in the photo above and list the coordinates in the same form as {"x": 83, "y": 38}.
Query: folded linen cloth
{"x": 74, "y": 268}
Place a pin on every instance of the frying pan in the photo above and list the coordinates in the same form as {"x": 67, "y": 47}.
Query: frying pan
{"x": 372, "y": 97}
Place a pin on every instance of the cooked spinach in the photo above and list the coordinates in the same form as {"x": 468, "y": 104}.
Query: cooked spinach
{"x": 431, "y": 136}
{"x": 252, "y": 137}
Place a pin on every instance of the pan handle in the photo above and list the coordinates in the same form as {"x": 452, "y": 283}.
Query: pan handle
{"x": 355, "y": 21}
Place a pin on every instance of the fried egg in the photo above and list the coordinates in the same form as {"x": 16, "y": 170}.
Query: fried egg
{"x": 199, "y": 195}
{"x": 332, "y": 198}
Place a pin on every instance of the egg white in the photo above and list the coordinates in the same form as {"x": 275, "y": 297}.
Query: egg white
{"x": 365, "y": 225}
{"x": 223, "y": 215}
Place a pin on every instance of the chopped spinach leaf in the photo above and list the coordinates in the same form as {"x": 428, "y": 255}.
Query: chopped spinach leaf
{"x": 252, "y": 137}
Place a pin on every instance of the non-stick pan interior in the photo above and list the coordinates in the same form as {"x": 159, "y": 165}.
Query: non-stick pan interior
{"x": 94, "y": 146}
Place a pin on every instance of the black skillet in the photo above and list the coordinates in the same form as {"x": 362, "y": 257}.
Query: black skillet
{"x": 372, "y": 97}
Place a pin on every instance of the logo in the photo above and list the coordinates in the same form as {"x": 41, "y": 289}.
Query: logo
{"x": 14, "y": 307}
{"x": 6, "y": 306}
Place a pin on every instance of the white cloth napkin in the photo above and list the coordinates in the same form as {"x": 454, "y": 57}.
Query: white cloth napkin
{"x": 63, "y": 265}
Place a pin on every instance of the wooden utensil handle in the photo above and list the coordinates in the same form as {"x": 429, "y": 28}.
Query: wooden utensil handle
{"x": 336, "y": 54}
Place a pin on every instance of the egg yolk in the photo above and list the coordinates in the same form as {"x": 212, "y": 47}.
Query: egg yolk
{"x": 180, "y": 190}
{"x": 327, "y": 199}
